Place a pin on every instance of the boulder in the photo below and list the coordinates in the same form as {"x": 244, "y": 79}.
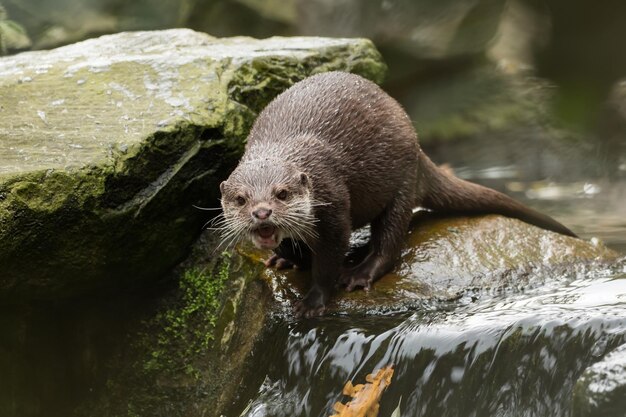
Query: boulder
{"x": 107, "y": 144}
{"x": 423, "y": 30}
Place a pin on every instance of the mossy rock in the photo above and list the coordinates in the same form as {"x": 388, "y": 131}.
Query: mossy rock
{"x": 446, "y": 257}
{"x": 187, "y": 358}
{"x": 106, "y": 144}
{"x": 190, "y": 347}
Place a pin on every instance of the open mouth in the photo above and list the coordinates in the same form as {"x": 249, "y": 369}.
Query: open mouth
{"x": 265, "y": 237}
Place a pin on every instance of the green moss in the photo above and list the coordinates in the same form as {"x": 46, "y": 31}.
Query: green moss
{"x": 51, "y": 190}
{"x": 188, "y": 327}
{"x": 256, "y": 83}
{"x": 363, "y": 59}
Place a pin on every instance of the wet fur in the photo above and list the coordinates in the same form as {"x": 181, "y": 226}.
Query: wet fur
{"x": 359, "y": 152}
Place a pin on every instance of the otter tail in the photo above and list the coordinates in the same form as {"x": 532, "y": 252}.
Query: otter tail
{"x": 443, "y": 192}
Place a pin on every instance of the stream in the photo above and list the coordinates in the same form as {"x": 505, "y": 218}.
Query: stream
{"x": 515, "y": 354}
{"x": 518, "y": 352}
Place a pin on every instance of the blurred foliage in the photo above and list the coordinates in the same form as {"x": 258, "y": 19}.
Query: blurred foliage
{"x": 13, "y": 37}
{"x": 584, "y": 54}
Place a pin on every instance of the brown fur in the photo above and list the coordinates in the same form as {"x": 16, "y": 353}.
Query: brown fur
{"x": 339, "y": 143}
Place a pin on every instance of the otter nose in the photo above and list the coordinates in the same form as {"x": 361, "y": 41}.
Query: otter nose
{"x": 262, "y": 213}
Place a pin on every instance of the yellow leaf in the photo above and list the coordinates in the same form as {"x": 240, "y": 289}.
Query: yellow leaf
{"x": 365, "y": 397}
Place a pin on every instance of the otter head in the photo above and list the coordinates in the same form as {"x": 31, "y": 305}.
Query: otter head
{"x": 267, "y": 200}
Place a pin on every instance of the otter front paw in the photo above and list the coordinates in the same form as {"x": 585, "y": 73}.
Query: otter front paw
{"x": 279, "y": 263}
{"x": 313, "y": 304}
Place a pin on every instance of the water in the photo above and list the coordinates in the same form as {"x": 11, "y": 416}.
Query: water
{"x": 512, "y": 355}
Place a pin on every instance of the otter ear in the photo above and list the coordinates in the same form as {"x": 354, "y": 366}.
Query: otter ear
{"x": 303, "y": 178}
{"x": 222, "y": 186}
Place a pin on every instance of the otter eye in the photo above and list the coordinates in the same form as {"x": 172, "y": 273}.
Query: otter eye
{"x": 282, "y": 195}
{"x": 240, "y": 200}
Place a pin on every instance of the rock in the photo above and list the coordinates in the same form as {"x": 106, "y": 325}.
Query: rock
{"x": 601, "y": 389}
{"x": 427, "y": 30}
{"x": 194, "y": 343}
{"x": 50, "y": 25}
{"x": 445, "y": 258}
{"x": 107, "y": 144}
{"x": 475, "y": 102}
{"x": 177, "y": 347}
{"x": 517, "y": 353}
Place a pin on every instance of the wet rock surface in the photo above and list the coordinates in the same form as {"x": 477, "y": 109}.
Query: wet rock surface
{"x": 512, "y": 354}
{"x": 176, "y": 348}
{"x": 448, "y": 258}
{"x": 473, "y": 298}
{"x": 107, "y": 144}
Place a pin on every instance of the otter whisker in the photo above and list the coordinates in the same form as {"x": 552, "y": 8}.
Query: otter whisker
{"x": 304, "y": 222}
{"x": 232, "y": 234}
{"x": 205, "y": 208}
{"x": 317, "y": 203}
{"x": 295, "y": 228}
{"x": 217, "y": 221}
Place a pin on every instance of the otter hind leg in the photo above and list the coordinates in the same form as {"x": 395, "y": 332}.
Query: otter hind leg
{"x": 388, "y": 233}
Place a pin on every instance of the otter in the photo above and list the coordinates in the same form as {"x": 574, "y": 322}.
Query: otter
{"x": 333, "y": 153}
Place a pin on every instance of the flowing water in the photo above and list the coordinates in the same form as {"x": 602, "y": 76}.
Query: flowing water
{"x": 515, "y": 354}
